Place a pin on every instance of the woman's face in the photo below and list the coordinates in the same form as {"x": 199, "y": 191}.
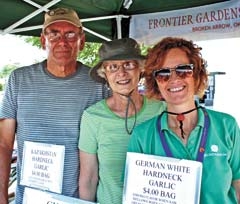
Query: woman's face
{"x": 122, "y": 75}
{"x": 176, "y": 90}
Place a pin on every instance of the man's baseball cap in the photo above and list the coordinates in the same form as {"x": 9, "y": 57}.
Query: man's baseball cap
{"x": 61, "y": 15}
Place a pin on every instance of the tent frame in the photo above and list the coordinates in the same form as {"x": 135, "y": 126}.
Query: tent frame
{"x": 12, "y": 29}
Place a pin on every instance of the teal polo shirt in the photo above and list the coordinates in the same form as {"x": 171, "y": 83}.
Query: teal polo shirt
{"x": 221, "y": 164}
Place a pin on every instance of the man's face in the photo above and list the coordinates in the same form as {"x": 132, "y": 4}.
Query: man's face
{"x": 62, "y": 41}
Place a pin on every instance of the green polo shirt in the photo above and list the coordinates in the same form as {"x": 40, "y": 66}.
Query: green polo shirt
{"x": 221, "y": 164}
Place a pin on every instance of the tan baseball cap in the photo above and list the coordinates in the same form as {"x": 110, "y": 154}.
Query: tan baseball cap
{"x": 61, "y": 14}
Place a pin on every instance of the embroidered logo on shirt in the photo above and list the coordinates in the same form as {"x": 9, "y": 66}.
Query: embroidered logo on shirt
{"x": 214, "y": 148}
{"x": 215, "y": 152}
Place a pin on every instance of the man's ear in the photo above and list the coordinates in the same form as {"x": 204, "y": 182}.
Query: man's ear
{"x": 82, "y": 41}
{"x": 43, "y": 41}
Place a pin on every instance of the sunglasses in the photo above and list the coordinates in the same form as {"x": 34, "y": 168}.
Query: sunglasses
{"x": 182, "y": 71}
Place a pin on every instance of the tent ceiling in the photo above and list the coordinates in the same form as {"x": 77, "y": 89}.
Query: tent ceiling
{"x": 102, "y": 19}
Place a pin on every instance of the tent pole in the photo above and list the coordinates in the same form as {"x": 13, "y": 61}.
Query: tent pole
{"x": 119, "y": 25}
{"x": 33, "y": 14}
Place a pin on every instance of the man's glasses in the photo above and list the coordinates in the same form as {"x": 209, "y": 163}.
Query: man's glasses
{"x": 182, "y": 71}
{"x": 56, "y": 36}
{"x": 128, "y": 65}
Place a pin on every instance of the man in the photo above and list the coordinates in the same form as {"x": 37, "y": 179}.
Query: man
{"x": 42, "y": 106}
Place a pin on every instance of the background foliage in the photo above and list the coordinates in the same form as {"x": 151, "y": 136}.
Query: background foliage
{"x": 88, "y": 56}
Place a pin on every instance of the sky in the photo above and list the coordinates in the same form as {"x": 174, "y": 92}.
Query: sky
{"x": 14, "y": 50}
{"x": 221, "y": 55}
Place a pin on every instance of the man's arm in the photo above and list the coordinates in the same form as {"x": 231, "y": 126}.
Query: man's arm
{"x": 7, "y": 136}
{"x": 88, "y": 179}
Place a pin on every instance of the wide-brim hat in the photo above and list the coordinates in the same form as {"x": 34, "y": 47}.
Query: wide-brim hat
{"x": 120, "y": 49}
{"x": 61, "y": 15}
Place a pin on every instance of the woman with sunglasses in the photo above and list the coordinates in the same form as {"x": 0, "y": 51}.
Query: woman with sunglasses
{"x": 176, "y": 72}
{"x": 107, "y": 125}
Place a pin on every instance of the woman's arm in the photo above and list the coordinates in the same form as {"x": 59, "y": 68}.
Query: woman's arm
{"x": 88, "y": 179}
{"x": 236, "y": 185}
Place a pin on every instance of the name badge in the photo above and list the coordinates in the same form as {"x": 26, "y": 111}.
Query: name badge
{"x": 42, "y": 166}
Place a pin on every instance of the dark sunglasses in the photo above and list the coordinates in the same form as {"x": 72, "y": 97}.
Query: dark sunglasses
{"x": 182, "y": 71}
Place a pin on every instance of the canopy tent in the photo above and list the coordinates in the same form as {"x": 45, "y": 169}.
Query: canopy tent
{"x": 102, "y": 19}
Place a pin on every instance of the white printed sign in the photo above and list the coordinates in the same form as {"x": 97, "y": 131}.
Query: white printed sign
{"x": 34, "y": 196}
{"x": 214, "y": 21}
{"x": 42, "y": 166}
{"x": 161, "y": 180}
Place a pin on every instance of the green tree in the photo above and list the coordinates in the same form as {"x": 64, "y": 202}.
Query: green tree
{"x": 88, "y": 56}
{"x": 144, "y": 49}
{"x": 35, "y": 41}
{"x": 7, "y": 69}
{"x": 4, "y": 73}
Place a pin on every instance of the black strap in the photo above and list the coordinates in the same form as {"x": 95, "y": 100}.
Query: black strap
{"x": 203, "y": 141}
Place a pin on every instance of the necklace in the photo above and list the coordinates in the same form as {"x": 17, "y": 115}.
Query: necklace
{"x": 203, "y": 141}
{"x": 180, "y": 118}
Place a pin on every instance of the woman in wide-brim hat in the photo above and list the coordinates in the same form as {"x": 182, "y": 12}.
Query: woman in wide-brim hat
{"x": 107, "y": 125}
